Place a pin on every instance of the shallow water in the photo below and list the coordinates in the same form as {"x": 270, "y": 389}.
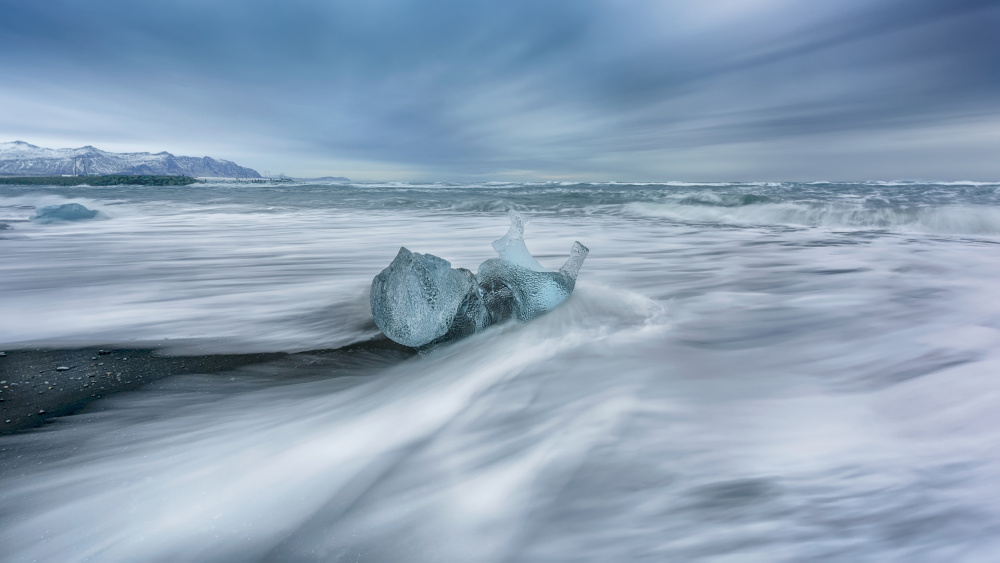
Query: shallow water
{"x": 745, "y": 372}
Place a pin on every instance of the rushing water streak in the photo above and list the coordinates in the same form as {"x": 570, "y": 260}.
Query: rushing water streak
{"x": 754, "y": 371}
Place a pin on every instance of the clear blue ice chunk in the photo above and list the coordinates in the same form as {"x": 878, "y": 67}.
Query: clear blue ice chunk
{"x": 419, "y": 300}
{"x": 515, "y": 285}
{"x": 65, "y": 212}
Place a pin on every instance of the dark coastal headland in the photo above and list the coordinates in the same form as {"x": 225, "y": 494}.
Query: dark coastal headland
{"x": 103, "y": 180}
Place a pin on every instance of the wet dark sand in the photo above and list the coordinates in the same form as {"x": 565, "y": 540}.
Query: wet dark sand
{"x": 36, "y": 387}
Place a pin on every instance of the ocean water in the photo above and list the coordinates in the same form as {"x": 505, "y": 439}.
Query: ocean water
{"x": 746, "y": 372}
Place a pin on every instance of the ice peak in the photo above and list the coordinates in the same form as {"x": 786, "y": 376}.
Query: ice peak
{"x": 511, "y": 246}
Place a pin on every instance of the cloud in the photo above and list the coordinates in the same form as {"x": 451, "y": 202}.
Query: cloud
{"x": 452, "y": 89}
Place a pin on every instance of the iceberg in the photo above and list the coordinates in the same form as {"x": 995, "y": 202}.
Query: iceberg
{"x": 419, "y": 300}
{"x": 65, "y": 212}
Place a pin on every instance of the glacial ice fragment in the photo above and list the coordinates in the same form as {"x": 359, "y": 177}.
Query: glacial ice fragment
{"x": 511, "y": 248}
{"x": 515, "y": 285}
{"x": 420, "y": 300}
{"x": 65, "y": 212}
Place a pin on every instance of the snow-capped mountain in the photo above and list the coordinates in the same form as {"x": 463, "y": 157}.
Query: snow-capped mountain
{"x": 24, "y": 159}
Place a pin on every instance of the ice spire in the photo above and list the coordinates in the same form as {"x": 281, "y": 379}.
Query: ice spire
{"x": 577, "y": 255}
{"x": 511, "y": 246}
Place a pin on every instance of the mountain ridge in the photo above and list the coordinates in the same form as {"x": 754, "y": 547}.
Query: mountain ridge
{"x": 18, "y": 158}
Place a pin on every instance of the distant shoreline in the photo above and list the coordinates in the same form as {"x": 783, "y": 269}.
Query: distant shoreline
{"x": 102, "y": 180}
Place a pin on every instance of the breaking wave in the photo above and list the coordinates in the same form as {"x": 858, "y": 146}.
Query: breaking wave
{"x": 757, "y": 210}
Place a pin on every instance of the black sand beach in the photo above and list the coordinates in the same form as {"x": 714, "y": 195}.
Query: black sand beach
{"x": 37, "y": 385}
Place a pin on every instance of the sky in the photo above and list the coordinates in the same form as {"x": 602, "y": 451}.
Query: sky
{"x": 512, "y": 90}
